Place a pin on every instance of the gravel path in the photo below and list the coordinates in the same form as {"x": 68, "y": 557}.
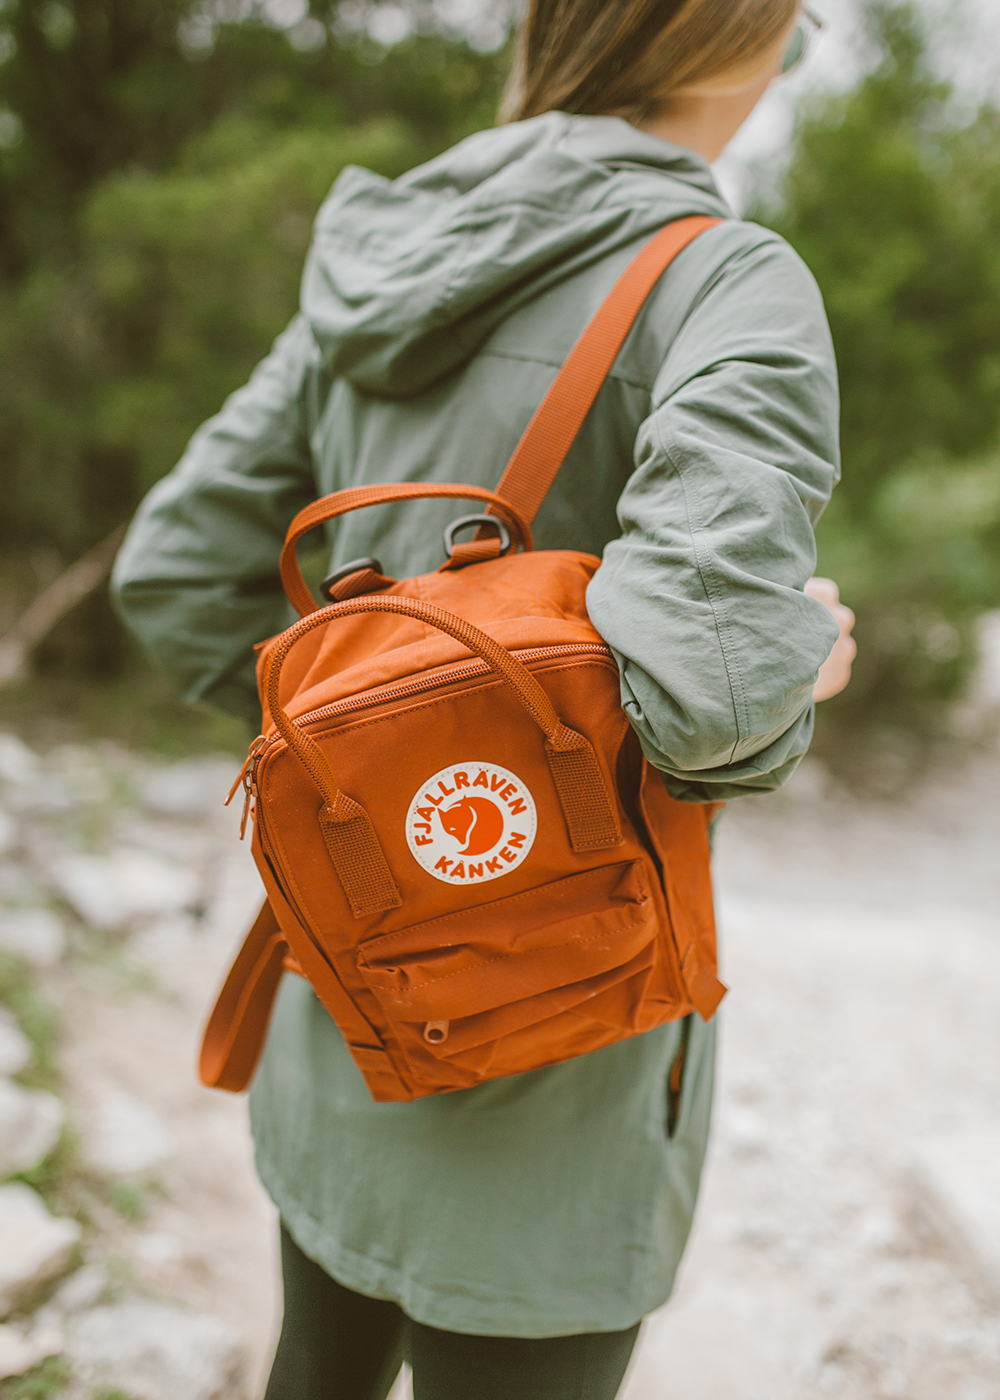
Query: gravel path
{"x": 862, "y": 945}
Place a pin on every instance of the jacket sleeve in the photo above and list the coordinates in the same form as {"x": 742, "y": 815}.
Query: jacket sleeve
{"x": 701, "y": 597}
{"x": 197, "y": 577}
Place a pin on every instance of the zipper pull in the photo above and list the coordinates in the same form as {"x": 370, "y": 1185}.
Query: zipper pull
{"x": 245, "y": 779}
{"x": 246, "y": 764}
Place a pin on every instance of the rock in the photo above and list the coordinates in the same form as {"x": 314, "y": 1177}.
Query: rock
{"x": 17, "y": 888}
{"x": 8, "y": 831}
{"x": 21, "y": 1349}
{"x": 15, "y": 1047}
{"x": 158, "y": 1247}
{"x": 110, "y": 891}
{"x": 957, "y": 1175}
{"x": 975, "y": 716}
{"x": 88, "y": 884}
{"x": 35, "y": 1246}
{"x": 124, "y": 1136}
{"x": 743, "y": 1130}
{"x": 18, "y": 764}
{"x": 49, "y": 795}
{"x": 186, "y": 789}
{"x": 81, "y": 1290}
{"x": 30, "y": 1124}
{"x": 154, "y": 1352}
{"x": 879, "y": 1230}
{"x": 986, "y": 681}
{"x": 35, "y": 934}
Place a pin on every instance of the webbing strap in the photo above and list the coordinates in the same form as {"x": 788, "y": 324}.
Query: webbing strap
{"x": 357, "y": 857}
{"x": 237, "y": 1027}
{"x": 559, "y": 417}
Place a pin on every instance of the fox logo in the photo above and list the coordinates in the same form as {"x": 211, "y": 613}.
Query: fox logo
{"x": 463, "y": 836}
{"x": 475, "y": 820}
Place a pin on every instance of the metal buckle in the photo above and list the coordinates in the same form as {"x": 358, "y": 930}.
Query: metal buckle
{"x": 355, "y": 565}
{"x": 450, "y": 532}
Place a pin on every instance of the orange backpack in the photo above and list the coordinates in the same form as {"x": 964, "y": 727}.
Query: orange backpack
{"x": 469, "y": 858}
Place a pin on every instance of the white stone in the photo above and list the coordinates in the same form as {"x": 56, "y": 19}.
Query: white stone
{"x": 155, "y": 1352}
{"x": 158, "y": 1247}
{"x": 743, "y": 1130}
{"x": 18, "y": 764}
{"x": 88, "y": 884}
{"x": 16, "y": 885}
{"x": 49, "y": 795}
{"x": 35, "y": 934}
{"x": 81, "y": 1290}
{"x": 958, "y": 1177}
{"x": 35, "y": 1246}
{"x": 124, "y": 1136}
{"x": 879, "y": 1229}
{"x": 30, "y": 1124}
{"x": 186, "y": 789}
{"x": 22, "y": 1348}
{"x": 15, "y": 1047}
{"x": 110, "y": 891}
{"x": 986, "y": 683}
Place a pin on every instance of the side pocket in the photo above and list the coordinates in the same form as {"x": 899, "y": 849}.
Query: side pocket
{"x": 675, "y": 1084}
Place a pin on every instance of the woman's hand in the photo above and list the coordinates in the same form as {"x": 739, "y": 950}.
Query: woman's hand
{"x": 835, "y": 672}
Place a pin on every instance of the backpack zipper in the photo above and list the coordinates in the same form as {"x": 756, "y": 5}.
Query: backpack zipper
{"x": 467, "y": 671}
{"x": 247, "y": 776}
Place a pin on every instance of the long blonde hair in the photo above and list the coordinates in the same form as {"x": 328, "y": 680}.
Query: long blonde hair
{"x": 623, "y": 57}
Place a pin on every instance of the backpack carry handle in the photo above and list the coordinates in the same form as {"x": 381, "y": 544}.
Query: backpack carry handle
{"x": 355, "y": 497}
{"x": 354, "y": 848}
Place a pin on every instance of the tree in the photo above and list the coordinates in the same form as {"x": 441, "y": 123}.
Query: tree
{"x": 90, "y": 87}
{"x": 895, "y": 205}
{"x": 154, "y": 213}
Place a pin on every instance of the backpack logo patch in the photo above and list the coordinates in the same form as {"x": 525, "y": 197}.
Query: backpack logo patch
{"x": 471, "y": 822}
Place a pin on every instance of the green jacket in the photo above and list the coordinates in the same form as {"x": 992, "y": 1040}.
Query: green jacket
{"x": 436, "y": 310}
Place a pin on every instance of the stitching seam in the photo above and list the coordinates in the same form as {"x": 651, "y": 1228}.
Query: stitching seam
{"x": 504, "y": 957}
{"x": 507, "y": 899}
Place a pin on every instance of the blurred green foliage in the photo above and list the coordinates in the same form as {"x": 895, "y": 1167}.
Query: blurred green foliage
{"x": 44, "y": 1382}
{"x": 893, "y": 199}
{"x": 156, "y": 201}
{"x": 158, "y": 177}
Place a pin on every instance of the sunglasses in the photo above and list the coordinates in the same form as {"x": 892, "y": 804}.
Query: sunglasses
{"x": 807, "y": 27}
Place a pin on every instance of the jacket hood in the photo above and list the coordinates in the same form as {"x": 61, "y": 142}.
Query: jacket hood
{"x": 407, "y": 278}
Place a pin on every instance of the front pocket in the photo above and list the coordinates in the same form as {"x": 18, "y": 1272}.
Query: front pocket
{"x": 512, "y": 949}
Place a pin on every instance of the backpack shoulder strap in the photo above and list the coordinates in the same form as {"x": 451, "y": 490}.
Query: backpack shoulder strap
{"x": 559, "y": 417}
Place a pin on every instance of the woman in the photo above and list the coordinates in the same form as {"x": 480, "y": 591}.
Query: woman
{"x": 511, "y": 1237}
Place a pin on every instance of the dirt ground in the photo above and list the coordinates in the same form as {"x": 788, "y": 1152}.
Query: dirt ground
{"x": 862, "y": 946}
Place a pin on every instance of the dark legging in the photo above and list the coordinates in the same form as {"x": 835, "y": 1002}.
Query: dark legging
{"x": 340, "y": 1345}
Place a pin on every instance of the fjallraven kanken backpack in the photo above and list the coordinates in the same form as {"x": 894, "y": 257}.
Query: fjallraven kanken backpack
{"x": 463, "y": 847}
